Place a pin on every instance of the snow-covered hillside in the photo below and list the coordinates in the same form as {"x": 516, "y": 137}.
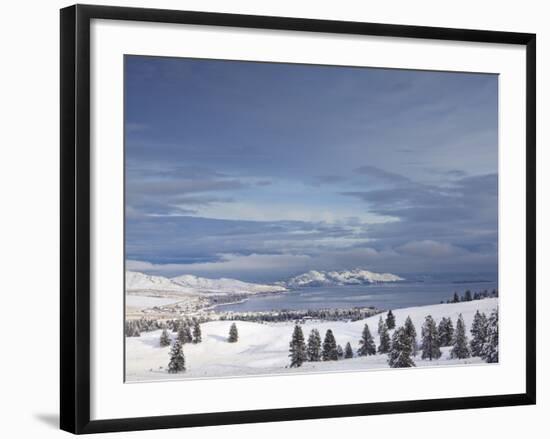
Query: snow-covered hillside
{"x": 223, "y": 285}
{"x": 187, "y": 284}
{"x": 263, "y": 348}
{"x": 327, "y": 278}
{"x": 136, "y": 281}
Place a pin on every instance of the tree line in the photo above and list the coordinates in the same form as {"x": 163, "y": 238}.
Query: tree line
{"x": 352, "y": 314}
{"x": 468, "y": 296}
{"x": 134, "y": 328}
{"x": 403, "y": 346}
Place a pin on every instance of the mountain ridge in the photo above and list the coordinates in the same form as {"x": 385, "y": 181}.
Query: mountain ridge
{"x": 314, "y": 278}
{"x": 189, "y": 284}
{"x": 194, "y": 285}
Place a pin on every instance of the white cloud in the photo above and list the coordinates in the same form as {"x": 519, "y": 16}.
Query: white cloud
{"x": 288, "y": 212}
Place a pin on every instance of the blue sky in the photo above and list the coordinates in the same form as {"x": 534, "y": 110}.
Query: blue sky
{"x": 260, "y": 171}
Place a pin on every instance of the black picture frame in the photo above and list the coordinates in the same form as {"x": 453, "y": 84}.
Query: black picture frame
{"x": 75, "y": 217}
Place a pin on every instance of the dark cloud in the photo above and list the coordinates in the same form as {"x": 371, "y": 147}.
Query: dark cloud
{"x": 341, "y": 151}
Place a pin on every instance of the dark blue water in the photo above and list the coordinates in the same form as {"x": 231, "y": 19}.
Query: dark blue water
{"x": 381, "y": 296}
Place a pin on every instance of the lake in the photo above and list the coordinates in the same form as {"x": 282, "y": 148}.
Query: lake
{"x": 381, "y": 296}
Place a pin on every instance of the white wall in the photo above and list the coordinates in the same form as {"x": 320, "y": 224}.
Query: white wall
{"x": 29, "y": 206}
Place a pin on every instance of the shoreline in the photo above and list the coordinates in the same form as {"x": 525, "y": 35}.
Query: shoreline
{"x": 208, "y": 307}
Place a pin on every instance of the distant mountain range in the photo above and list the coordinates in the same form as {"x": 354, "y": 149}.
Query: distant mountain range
{"x": 329, "y": 278}
{"x": 192, "y": 285}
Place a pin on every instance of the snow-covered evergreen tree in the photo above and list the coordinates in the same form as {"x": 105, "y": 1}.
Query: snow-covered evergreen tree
{"x": 430, "y": 341}
{"x": 133, "y": 328}
{"x": 348, "y": 351}
{"x": 489, "y": 351}
{"x": 176, "y": 325}
{"x": 460, "y": 342}
{"x": 339, "y": 352}
{"x": 445, "y": 331}
{"x": 330, "y": 351}
{"x": 233, "y": 333}
{"x": 177, "y": 359}
{"x": 380, "y": 325}
{"x": 314, "y": 346}
{"x": 384, "y": 346}
{"x": 184, "y": 334}
{"x": 366, "y": 344}
{"x": 411, "y": 333}
{"x": 298, "y": 353}
{"x": 164, "y": 338}
{"x": 479, "y": 333}
{"x": 456, "y": 299}
{"x": 400, "y": 354}
{"x": 197, "y": 334}
{"x": 390, "y": 320}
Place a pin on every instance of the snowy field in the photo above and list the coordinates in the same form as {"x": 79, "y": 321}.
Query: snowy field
{"x": 263, "y": 348}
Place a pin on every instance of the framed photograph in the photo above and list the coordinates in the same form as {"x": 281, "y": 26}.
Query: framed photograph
{"x": 268, "y": 218}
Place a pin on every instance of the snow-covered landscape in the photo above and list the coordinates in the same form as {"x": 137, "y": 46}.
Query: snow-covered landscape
{"x": 275, "y": 225}
{"x": 175, "y": 325}
{"x": 168, "y": 297}
{"x": 263, "y": 348}
{"x": 148, "y": 294}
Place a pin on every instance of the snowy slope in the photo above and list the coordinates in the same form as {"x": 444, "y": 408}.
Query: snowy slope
{"x": 263, "y": 348}
{"x": 223, "y": 285}
{"x": 328, "y": 278}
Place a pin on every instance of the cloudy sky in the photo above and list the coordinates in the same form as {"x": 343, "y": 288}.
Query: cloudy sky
{"x": 260, "y": 171}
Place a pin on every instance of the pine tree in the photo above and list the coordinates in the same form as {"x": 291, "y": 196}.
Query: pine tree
{"x": 468, "y": 296}
{"x": 460, "y": 342}
{"x": 339, "y": 352}
{"x": 177, "y": 359}
{"x": 197, "y": 335}
{"x": 233, "y": 334}
{"x": 390, "y": 320}
{"x": 455, "y": 298}
{"x": 298, "y": 352}
{"x": 176, "y": 326}
{"x": 445, "y": 331}
{"x": 400, "y": 352}
{"x": 479, "y": 333}
{"x": 349, "y": 351}
{"x": 489, "y": 351}
{"x": 411, "y": 333}
{"x": 380, "y": 325}
{"x": 430, "y": 342}
{"x": 164, "y": 338}
{"x": 314, "y": 345}
{"x": 384, "y": 346}
{"x": 329, "y": 347}
{"x": 366, "y": 344}
{"x": 184, "y": 334}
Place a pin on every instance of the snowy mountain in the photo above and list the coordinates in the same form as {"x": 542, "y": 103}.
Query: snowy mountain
{"x": 194, "y": 285}
{"x": 189, "y": 284}
{"x": 136, "y": 281}
{"x": 328, "y": 278}
{"x": 224, "y": 285}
